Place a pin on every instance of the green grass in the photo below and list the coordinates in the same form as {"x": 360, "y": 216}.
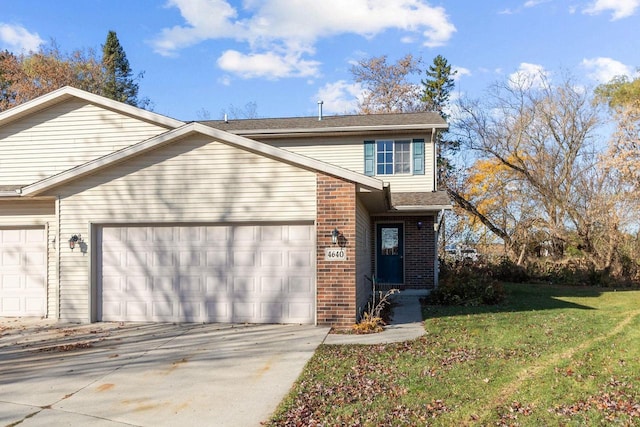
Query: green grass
{"x": 547, "y": 356}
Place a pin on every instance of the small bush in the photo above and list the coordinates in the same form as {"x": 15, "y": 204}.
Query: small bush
{"x": 467, "y": 286}
{"x": 373, "y": 320}
{"x": 509, "y": 271}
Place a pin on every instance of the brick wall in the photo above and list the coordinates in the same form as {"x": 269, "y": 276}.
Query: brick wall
{"x": 336, "y": 280}
{"x": 419, "y": 250}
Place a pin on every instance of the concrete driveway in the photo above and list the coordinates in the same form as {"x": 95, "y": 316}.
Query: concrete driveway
{"x": 115, "y": 374}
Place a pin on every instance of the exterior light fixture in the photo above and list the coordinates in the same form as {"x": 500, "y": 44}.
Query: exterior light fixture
{"x": 73, "y": 240}
{"x": 334, "y": 236}
{"x": 419, "y": 225}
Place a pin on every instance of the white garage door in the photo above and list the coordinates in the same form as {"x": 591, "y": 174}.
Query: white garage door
{"x": 23, "y": 272}
{"x": 235, "y": 273}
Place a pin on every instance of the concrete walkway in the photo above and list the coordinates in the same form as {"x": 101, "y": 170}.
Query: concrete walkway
{"x": 406, "y": 323}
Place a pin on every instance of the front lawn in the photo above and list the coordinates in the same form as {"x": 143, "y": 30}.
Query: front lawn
{"x": 547, "y": 356}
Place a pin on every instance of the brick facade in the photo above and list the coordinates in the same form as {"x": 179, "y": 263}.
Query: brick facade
{"x": 336, "y": 280}
{"x": 419, "y": 250}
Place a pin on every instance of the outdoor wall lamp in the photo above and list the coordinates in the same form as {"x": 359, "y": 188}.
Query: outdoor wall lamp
{"x": 419, "y": 225}
{"x": 76, "y": 238}
{"x": 334, "y": 236}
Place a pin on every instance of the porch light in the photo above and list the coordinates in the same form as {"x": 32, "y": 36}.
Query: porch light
{"x": 73, "y": 240}
{"x": 334, "y": 236}
{"x": 419, "y": 225}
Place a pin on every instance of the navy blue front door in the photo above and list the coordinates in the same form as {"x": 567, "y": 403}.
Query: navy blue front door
{"x": 390, "y": 253}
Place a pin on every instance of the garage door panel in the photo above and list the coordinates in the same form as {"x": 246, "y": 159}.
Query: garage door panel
{"x": 299, "y": 310}
{"x": 243, "y": 285}
{"x": 162, "y": 285}
{"x": 191, "y": 285}
{"x": 11, "y": 258}
{"x": 216, "y": 259}
{"x": 192, "y": 259}
{"x": 217, "y": 284}
{"x": 23, "y": 272}
{"x": 271, "y": 259}
{"x": 272, "y": 285}
{"x": 34, "y": 283}
{"x": 300, "y": 233}
{"x": 239, "y": 273}
{"x": 10, "y": 305}
{"x": 244, "y": 259}
{"x": 162, "y": 309}
{"x": 300, "y": 259}
{"x": 300, "y": 285}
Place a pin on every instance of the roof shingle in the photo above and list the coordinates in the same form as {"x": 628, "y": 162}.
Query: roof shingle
{"x": 422, "y": 119}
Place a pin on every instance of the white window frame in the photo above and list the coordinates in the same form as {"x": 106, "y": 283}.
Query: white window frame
{"x": 394, "y": 163}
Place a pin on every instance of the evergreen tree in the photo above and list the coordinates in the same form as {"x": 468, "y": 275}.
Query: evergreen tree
{"x": 437, "y": 88}
{"x": 119, "y": 83}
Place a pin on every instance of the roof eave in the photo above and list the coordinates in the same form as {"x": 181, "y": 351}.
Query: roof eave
{"x": 68, "y": 92}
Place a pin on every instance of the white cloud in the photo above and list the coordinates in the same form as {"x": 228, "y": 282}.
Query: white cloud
{"x": 620, "y": 8}
{"x": 268, "y": 65}
{"x": 340, "y": 97}
{"x": 294, "y": 27}
{"x": 534, "y": 3}
{"x": 19, "y": 39}
{"x": 528, "y": 76}
{"x": 225, "y": 80}
{"x": 461, "y": 72}
{"x": 602, "y": 70}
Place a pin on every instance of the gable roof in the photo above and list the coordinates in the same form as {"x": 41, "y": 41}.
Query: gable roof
{"x": 65, "y": 93}
{"x": 331, "y": 124}
{"x": 191, "y": 129}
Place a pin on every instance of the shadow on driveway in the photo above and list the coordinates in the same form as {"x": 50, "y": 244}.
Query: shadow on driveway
{"x": 148, "y": 374}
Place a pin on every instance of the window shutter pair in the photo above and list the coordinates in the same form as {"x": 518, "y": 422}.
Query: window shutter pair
{"x": 418, "y": 157}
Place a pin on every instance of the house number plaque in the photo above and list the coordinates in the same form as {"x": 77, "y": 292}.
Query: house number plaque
{"x": 335, "y": 254}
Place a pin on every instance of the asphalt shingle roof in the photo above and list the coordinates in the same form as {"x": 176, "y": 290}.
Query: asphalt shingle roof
{"x": 435, "y": 198}
{"x": 426, "y": 119}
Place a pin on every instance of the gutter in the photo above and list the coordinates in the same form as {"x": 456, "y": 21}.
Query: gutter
{"x": 330, "y": 130}
{"x": 12, "y": 193}
{"x": 420, "y": 208}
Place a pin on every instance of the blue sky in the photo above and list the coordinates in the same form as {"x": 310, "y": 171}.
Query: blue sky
{"x": 201, "y": 57}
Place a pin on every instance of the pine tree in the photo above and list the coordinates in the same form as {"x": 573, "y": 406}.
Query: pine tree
{"x": 437, "y": 88}
{"x": 119, "y": 83}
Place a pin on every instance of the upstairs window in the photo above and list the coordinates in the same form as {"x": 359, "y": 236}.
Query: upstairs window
{"x": 394, "y": 157}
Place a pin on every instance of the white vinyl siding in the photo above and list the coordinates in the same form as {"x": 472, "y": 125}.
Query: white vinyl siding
{"x": 348, "y": 152}
{"x": 195, "y": 180}
{"x": 364, "y": 258}
{"x": 63, "y": 136}
{"x": 40, "y": 214}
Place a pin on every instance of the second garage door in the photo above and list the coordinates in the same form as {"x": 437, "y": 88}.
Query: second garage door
{"x": 23, "y": 272}
{"x": 207, "y": 273}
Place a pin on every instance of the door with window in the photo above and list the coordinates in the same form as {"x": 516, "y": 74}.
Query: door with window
{"x": 390, "y": 253}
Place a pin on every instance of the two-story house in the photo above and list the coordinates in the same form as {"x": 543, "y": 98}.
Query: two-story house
{"x": 113, "y": 213}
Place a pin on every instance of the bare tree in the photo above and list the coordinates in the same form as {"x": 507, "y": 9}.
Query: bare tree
{"x": 542, "y": 136}
{"x": 388, "y": 88}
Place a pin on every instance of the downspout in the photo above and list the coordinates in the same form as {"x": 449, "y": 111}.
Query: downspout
{"x": 435, "y": 159}
{"x": 438, "y": 227}
{"x": 58, "y": 250}
{"x": 48, "y": 270}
